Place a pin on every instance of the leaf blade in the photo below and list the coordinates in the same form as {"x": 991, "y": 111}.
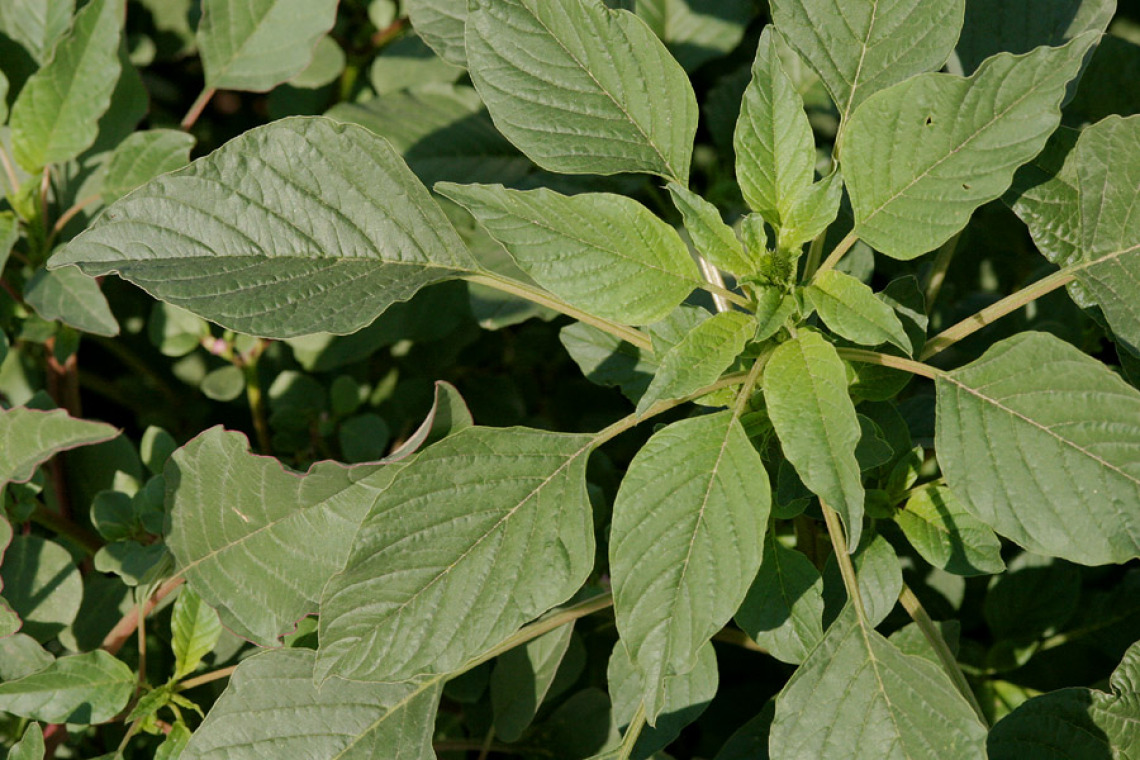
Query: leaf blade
{"x": 84, "y": 688}
{"x": 851, "y": 309}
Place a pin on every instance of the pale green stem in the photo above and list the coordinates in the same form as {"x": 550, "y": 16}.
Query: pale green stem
{"x": 714, "y": 277}
{"x": 726, "y": 294}
{"x": 545, "y": 625}
{"x": 833, "y": 258}
{"x": 815, "y": 253}
{"x": 633, "y": 420}
{"x": 738, "y": 638}
{"x": 919, "y": 615}
{"x": 745, "y": 394}
{"x": 994, "y": 312}
{"x": 887, "y": 360}
{"x": 843, "y": 558}
{"x": 632, "y": 732}
{"x": 939, "y": 269}
{"x": 629, "y": 334}
{"x": 9, "y": 170}
{"x": 213, "y": 675}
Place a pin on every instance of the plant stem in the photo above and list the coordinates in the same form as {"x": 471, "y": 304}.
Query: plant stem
{"x": 629, "y": 334}
{"x": 633, "y": 420}
{"x": 843, "y": 558}
{"x": 538, "y": 628}
{"x": 66, "y": 217}
{"x": 815, "y": 252}
{"x": 714, "y": 277}
{"x": 726, "y": 295}
{"x": 834, "y": 257}
{"x": 196, "y": 109}
{"x": 745, "y": 394}
{"x": 257, "y": 406}
{"x": 919, "y": 615}
{"x": 122, "y": 631}
{"x": 140, "y": 629}
{"x": 213, "y": 675}
{"x": 64, "y": 526}
{"x": 938, "y": 270}
{"x": 632, "y": 732}
{"x": 738, "y": 638}
{"x": 994, "y": 312}
{"x": 887, "y": 360}
{"x": 488, "y": 741}
{"x": 9, "y": 170}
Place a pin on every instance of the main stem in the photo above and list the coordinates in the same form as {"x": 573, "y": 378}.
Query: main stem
{"x": 834, "y": 257}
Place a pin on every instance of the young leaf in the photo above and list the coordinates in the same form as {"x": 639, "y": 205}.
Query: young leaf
{"x": 84, "y": 688}
{"x": 194, "y": 630}
{"x": 805, "y": 387}
{"x": 851, "y": 309}
{"x": 142, "y": 157}
{"x": 713, "y": 238}
{"x": 1083, "y": 217}
{"x": 947, "y": 536}
{"x": 783, "y": 611}
{"x": 919, "y": 157}
{"x": 1042, "y": 443}
{"x": 860, "y": 47}
{"x": 272, "y": 708}
{"x": 606, "y": 254}
{"x": 486, "y": 519}
{"x": 815, "y": 209}
{"x": 257, "y": 44}
{"x": 36, "y": 24}
{"x": 30, "y": 746}
{"x": 521, "y": 679}
{"x": 700, "y": 358}
{"x": 1074, "y": 723}
{"x": 30, "y": 437}
{"x": 223, "y": 239}
{"x": 613, "y": 99}
{"x": 441, "y": 23}
{"x": 56, "y": 115}
{"x": 73, "y": 298}
{"x": 858, "y": 696}
{"x": 685, "y": 543}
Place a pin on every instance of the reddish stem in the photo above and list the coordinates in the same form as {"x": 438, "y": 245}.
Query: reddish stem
{"x": 126, "y": 626}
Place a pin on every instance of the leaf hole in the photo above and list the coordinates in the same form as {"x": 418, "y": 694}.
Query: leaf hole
{"x": 929, "y": 120}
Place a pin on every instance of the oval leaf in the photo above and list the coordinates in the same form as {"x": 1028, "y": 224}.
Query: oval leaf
{"x": 947, "y": 536}
{"x": 783, "y": 611}
{"x": 73, "y": 298}
{"x": 84, "y": 688}
{"x": 142, "y": 157}
{"x": 851, "y": 309}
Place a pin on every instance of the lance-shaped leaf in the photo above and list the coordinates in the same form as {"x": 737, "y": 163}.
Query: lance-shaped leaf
{"x": 142, "y": 157}
{"x": 858, "y": 696}
{"x": 712, "y": 238}
{"x": 300, "y": 226}
{"x": 1081, "y": 211}
{"x": 859, "y": 47}
{"x": 441, "y": 24}
{"x": 73, "y": 298}
{"x": 604, "y": 253}
{"x": 257, "y": 44}
{"x": 1075, "y": 723}
{"x": 242, "y": 525}
{"x": 194, "y": 630}
{"x": 56, "y": 115}
{"x": 805, "y": 388}
{"x": 36, "y": 24}
{"x": 84, "y": 688}
{"x": 783, "y": 611}
{"x": 272, "y": 709}
{"x": 521, "y": 679}
{"x": 851, "y": 309}
{"x": 1042, "y": 443}
{"x": 947, "y": 536}
{"x": 479, "y": 534}
{"x": 687, "y": 534}
{"x": 700, "y": 358}
{"x": 613, "y": 99}
{"x": 30, "y": 437}
{"x": 920, "y": 157}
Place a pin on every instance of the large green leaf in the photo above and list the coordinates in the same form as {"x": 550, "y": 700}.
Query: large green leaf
{"x": 73, "y": 298}
{"x": 858, "y": 696}
{"x": 783, "y": 611}
{"x": 84, "y": 688}
{"x": 1017, "y": 26}
{"x": 142, "y": 157}
{"x": 851, "y": 309}
{"x": 1076, "y": 723}
{"x": 1081, "y": 211}
{"x": 1042, "y": 443}
{"x": 604, "y": 253}
{"x": 859, "y": 47}
{"x": 613, "y": 99}
{"x": 257, "y": 44}
{"x": 685, "y": 544}
{"x": 919, "y": 157}
{"x": 223, "y": 237}
{"x": 272, "y": 709}
{"x": 36, "y": 24}
{"x": 441, "y": 23}
{"x": 56, "y": 115}
{"x": 242, "y": 527}
{"x": 947, "y": 536}
{"x": 30, "y": 437}
{"x": 696, "y": 31}
{"x": 805, "y": 387}
{"x": 487, "y": 519}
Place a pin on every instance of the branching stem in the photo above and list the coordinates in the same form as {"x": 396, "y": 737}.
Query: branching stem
{"x": 633, "y": 420}
{"x": 887, "y": 360}
{"x": 213, "y": 675}
{"x": 632, "y": 732}
{"x": 122, "y": 631}
{"x": 833, "y": 258}
{"x": 196, "y": 109}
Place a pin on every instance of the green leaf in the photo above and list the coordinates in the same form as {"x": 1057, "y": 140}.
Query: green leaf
{"x": 225, "y": 383}
{"x": 805, "y": 387}
{"x": 700, "y": 358}
{"x": 863, "y": 46}
{"x": 440, "y": 23}
{"x": 606, "y": 254}
{"x": 83, "y": 688}
{"x": 879, "y": 575}
{"x": 783, "y": 611}
{"x": 409, "y": 64}
{"x": 9, "y": 234}
{"x": 1018, "y": 26}
{"x": 1075, "y": 723}
{"x": 30, "y": 746}
{"x": 750, "y": 741}
{"x": 142, "y": 157}
{"x": 685, "y": 699}
{"x": 272, "y": 709}
{"x": 3, "y": 101}
{"x": 485, "y": 519}
{"x": 1082, "y": 217}
{"x": 685, "y": 544}
{"x": 814, "y": 210}
{"x": 37, "y": 25}
{"x": 919, "y": 157}
{"x": 851, "y": 309}
{"x": 613, "y": 99}
{"x": 21, "y": 655}
{"x": 1034, "y": 599}
{"x": 222, "y": 238}
{"x": 608, "y": 360}
{"x": 326, "y": 65}
{"x": 239, "y": 546}
{"x": 56, "y": 115}
{"x": 694, "y": 31}
{"x": 256, "y": 44}
{"x": 73, "y": 298}
{"x": 947, "y": 536}
{"x": 714, "y": 239}
{"x": 194, "y": 630}
{"x": 858, "y": 696}
{"x": 521, "y": 679}
{"x": 1042, "y": 443}
{"x": 1109, "y": 85}
{"x": 30, "y": 437}
{"x": 174, "y": 744}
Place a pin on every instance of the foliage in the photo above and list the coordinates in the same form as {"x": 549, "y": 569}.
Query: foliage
{"x": 569, "y": 379}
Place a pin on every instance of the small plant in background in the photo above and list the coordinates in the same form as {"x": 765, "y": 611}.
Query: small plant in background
{"x": 570, "y": 379}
